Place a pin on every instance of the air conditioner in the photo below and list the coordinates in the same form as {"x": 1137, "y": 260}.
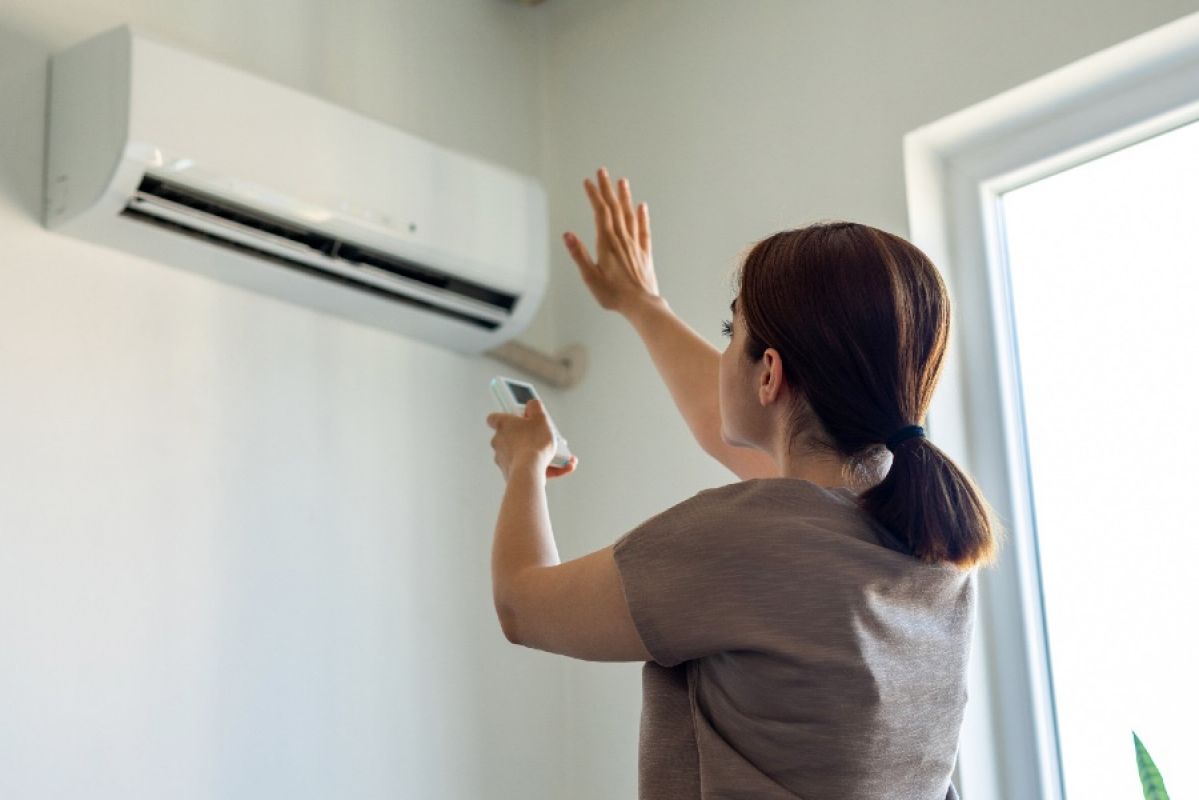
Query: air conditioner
{"x": 198, "y": 165}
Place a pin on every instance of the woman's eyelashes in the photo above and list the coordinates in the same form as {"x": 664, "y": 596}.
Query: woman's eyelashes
{"x": 726, "y": 328}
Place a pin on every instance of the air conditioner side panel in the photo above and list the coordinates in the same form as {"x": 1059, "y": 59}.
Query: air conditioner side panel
{"x": 87, "y": 124}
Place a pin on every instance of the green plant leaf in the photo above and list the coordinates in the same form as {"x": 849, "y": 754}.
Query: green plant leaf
{"x": 1151, "y": 780}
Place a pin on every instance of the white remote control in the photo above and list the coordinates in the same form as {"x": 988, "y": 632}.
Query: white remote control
{"x": 512, "y": 395}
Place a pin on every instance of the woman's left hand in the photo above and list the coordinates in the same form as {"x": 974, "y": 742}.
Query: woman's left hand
{"x": 526, "y": 440}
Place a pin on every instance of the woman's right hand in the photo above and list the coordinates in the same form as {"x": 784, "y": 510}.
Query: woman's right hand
{"x": 622, "y": 273}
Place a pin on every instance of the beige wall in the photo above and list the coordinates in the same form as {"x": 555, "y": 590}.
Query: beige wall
{"x": 245, "y": 547}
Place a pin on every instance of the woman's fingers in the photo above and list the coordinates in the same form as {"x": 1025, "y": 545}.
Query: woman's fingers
{"x": 626, "y": 208}
{"x": 611, "y": 201}
{"x": 614, "y": 212}
{"x": 557, "y": 472}
{"x": 603, "y": 216}
{"x": 623, "y": 267}
{"x": 643, "y": 227}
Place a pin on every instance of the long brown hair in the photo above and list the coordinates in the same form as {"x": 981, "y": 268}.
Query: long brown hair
{"x": 860, "y": 318}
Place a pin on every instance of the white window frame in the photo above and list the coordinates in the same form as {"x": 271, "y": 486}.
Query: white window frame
{"x": 956, "y": 169}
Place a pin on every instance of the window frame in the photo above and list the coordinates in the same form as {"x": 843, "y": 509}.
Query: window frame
{"x": 956, "y": 170}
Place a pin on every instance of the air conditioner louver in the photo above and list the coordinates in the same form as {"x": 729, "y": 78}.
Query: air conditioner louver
{"x": 178, "y": 207}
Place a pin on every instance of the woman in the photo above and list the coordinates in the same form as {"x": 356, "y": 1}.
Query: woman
{"x": 806, "y": 630}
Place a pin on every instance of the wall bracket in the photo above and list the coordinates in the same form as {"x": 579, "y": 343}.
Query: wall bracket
{"x": 561, "y": 371}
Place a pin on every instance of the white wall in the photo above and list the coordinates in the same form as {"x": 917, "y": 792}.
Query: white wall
{"x": 244, "y": 547}
{"x": 242, "y": 552}
{"x": 734, "y": 120}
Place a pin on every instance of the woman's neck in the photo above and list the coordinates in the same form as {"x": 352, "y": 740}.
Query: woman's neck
{"x": 824, "y": 469}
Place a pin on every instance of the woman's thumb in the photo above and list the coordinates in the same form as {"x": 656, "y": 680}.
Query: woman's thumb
{"x": 578, "y": 251}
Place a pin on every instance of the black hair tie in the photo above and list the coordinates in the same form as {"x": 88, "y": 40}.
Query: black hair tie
{"x": 902, "y": 434}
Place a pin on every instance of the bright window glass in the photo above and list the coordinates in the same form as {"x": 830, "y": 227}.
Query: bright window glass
{"x": 1104, "y": 272}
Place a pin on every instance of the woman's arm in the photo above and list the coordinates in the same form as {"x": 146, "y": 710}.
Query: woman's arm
{"x": 690, "y": 367}
{"x": 622, "y": 279}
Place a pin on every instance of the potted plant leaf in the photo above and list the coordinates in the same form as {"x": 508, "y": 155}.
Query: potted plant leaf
{"x": 1151, "y": 780}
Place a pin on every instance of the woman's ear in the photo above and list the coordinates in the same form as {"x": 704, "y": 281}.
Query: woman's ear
{"x": 772, "y": 382}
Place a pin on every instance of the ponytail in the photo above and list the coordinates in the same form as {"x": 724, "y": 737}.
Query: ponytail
{"x": 860, "y": 319}
{"x": 933, "y": 508}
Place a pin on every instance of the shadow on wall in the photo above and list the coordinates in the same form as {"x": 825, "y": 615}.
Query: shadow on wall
{"x": 23, "y": 66}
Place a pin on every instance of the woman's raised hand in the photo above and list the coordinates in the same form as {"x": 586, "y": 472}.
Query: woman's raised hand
{"x": 622, "y": 273}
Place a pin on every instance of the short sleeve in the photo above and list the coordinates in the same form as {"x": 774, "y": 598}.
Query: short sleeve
{"x": 684, "y": 574}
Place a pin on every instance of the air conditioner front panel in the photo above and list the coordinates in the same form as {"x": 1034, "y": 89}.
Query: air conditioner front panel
{"x": 387, "y": 197}
{"x": 270, "y": 140}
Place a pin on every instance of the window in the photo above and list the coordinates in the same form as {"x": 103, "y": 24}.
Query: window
{"x": 1103, "y": 265}
{"x": 988, "y": 192}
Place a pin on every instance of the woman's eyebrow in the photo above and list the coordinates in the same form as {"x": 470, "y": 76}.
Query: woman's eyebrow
{"x": 733, "y": 306}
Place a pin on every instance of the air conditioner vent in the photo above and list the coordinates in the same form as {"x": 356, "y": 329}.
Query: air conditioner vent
{"x": 300, "y": 266}
{"x": 185, "y": 208}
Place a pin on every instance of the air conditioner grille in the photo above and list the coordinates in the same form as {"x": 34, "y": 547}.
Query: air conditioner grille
{"x": 247, "y": 218}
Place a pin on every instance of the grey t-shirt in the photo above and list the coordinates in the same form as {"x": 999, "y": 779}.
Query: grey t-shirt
{"x": 794, "y": 655}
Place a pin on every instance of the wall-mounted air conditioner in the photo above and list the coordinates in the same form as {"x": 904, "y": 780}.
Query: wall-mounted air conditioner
{"x": 199, "y": 165}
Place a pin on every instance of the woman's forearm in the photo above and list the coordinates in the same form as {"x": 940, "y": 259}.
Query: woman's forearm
{"x": 690, "y": 366}
{"x": 523, "y": 535}
{"x": 687, "y": 362}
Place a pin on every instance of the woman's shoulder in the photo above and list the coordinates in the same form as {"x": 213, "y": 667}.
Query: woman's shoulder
{"x": 774, "y": 487}
{"x": 794, "y": 497}
{"x": 744, "y": 505}
{"x": 828, "y": 520}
